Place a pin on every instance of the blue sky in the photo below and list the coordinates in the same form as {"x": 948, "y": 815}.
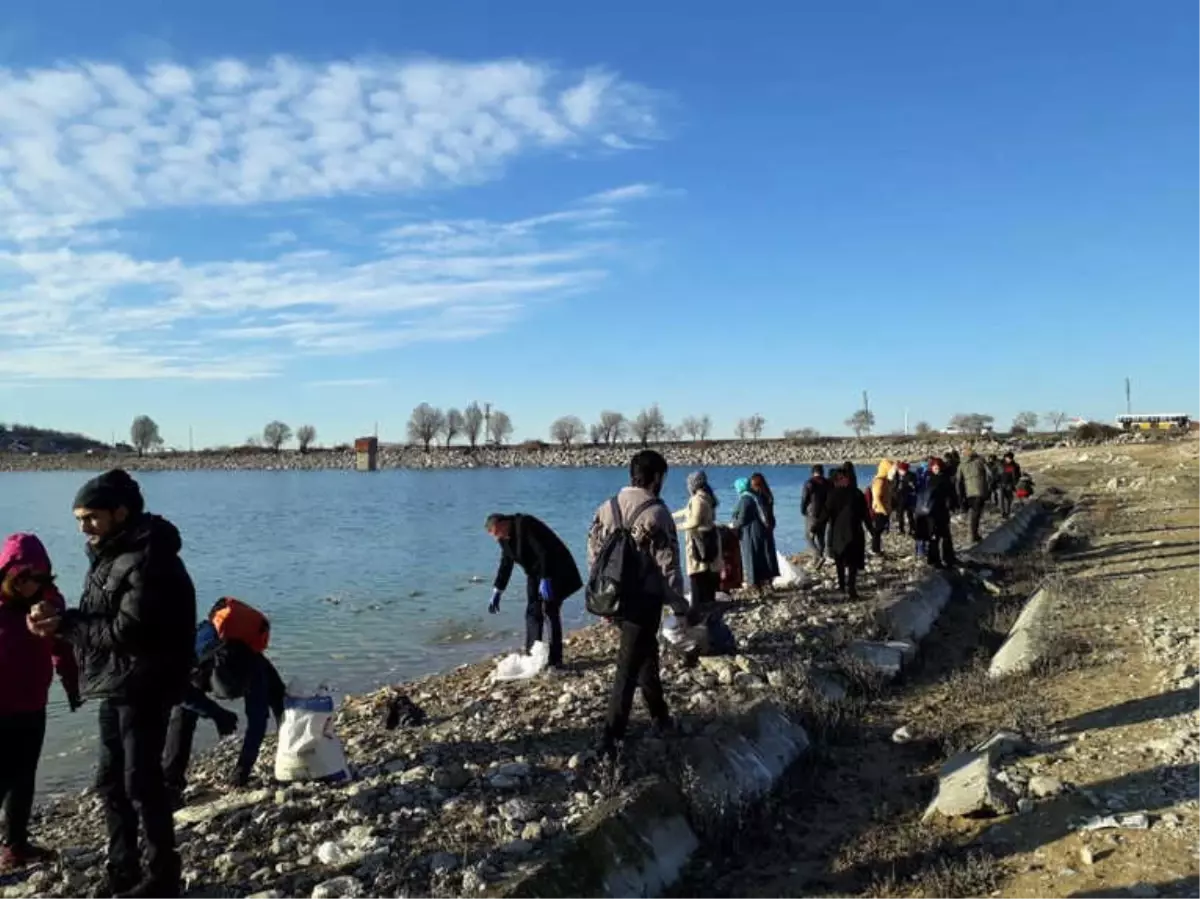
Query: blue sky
{"x": 223, "y": 213}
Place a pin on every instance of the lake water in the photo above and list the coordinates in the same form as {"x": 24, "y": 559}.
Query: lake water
{"x": 367, "y": 578}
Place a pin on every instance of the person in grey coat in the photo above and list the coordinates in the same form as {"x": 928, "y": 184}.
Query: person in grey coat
{"x": 753, "y": 526}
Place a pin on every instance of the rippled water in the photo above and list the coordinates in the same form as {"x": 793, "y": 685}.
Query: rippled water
{"x": 367, "y": 578}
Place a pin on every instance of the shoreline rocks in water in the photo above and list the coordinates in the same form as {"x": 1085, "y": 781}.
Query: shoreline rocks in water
{"x": 748, "y": 454}
{"x": 497, "y": 778}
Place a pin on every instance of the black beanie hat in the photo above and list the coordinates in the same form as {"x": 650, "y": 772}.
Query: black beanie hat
{"x": 109, "y": 491}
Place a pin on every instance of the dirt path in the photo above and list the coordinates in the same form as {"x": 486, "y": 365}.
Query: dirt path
{"x": 1111, "y": 720}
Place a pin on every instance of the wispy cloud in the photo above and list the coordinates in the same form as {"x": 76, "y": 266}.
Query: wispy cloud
{"x": 85, "y": 147}
{"x": 349, "y": 382}
{"x": 624, "y": 194}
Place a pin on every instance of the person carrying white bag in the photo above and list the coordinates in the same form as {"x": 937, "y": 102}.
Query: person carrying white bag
{"x": 309, "y": 748}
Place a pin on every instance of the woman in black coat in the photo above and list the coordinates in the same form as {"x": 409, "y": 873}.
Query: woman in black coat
{"x": 845, "y": 513}
{"x": 934, "y": 505}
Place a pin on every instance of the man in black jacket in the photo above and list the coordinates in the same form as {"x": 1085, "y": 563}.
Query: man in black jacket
{"x": 812, "y": 507}
{"x": 551, "y": 573}
{"x": 132, "y": 634}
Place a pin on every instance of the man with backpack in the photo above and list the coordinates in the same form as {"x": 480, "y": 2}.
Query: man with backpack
{"x": 230, "y": 664}
{"x": 551, "y": 575}
{"x": 634, "y": 570}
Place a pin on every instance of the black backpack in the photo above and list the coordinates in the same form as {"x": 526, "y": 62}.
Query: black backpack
{"x": 617, "y": 577}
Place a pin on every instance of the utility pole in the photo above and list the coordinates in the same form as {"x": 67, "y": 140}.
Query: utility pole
{"x": 191, "y": 445}
{"x": 905, "y": 421}
{"x": 487, "y": 421}
{"x": 1128, "y": 401}
{"x": 376, "y": 431}
{"x": 866, "y": 404}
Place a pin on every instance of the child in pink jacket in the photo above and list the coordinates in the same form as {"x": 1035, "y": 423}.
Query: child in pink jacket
{"x": 27, "y": 666}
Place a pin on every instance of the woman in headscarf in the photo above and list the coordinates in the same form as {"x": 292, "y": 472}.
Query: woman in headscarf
{"x": 751, "y": 522}
{"x": 758, "y": 486}
{"x": 703, "y": 541}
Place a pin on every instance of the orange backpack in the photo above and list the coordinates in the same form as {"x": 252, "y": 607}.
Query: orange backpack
{"x": 236, "y": 620}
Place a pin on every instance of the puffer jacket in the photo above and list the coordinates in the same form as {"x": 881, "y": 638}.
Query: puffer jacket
{"x": 973, "y": 477}
{"x": 133, "y": 632}
{"x": 698, "y": 518}
{"x": 881, "y": 490}
{"x": 28, "y": 662}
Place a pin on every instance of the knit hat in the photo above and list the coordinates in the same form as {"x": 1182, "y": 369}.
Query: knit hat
{"x": 110, "y": 491}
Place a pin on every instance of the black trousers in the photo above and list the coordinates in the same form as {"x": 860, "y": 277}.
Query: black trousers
{"x": 1006, "y": 501}
{"x": 817, "y": 535}
{"x": 21, "y": 736}
{"x": 704, "y": 588}
{"x": 940, "y": 553}
{"x": 878, "y": 525}
{"x": 903, "y": 516}
{"x": 847, "y": 576}
{"x": 637, "y": 666}
{"x": 974, "y": 511}
{"x": 537, "y": 613}
{"x": 131, "y": 785}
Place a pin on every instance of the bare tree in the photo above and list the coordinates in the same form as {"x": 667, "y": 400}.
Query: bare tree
{"x": 696, "y": 427}
{"x": 755, "y": 424}
{"x": 596, "y": 434}
{"x": 276, "y": 434}
{"x": 971, "y": 422}
{"x": 802, "y": 434}
{"x": 922, "y": 428}
{"x": 861, "y": 422}
{"x": 305, "y": 435}
{"x": 1056, "y": 420}
{"x": 741, "y": 429}
{"x": 452, "y": 425}
{"x": 473, "y": 424}
{"x": 567, "y": 430}
{"x": 1025, "y": 422}
{"x": 143, "y": 434}
{"x": 425, "y": 424}
{"x": 501, "y": 427}
{"x": 649, "y": 425}
{"x": 612, "y": 426}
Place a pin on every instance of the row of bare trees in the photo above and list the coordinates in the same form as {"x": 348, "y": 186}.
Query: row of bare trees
{"x": 427, "y": 423}
{"x": 144, "y": 435}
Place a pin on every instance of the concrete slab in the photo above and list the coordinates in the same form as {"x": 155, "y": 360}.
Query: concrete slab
{"x": 1027, "y": 640}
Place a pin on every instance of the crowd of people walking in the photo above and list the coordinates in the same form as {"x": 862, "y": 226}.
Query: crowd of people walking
{"x": 134, "y": 646}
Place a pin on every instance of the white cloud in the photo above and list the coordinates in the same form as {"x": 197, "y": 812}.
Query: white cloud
{"x": 84, "y": 148}
{"x": 93, "y": 142}
{"x": 349, "y": 382}
{"x": 624, "y": 194}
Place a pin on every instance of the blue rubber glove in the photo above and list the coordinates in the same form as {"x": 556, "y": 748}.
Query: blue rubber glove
{"x": 544, "y": 590}
{"x": 494, "y": 605}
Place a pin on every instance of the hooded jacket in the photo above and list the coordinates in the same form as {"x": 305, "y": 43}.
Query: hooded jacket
{"x": 973, "y": 477}
{"x": 812, "y": 502}
{"x": 134, "y": 629}
{"x": 881, "y": 490}
{"x": 28, "y": 662}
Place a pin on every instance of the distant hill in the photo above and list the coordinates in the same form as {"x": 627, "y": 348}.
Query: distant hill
{"x": 16, "y": 438}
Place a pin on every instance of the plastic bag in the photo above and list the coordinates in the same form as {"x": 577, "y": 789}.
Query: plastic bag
{"x": 309, "y": 748}
{"x": 522, "y": 667}
{"x": 789, "y": 575}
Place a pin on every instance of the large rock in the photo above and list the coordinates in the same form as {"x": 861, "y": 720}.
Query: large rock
{"x": 967, "y": 787}
{"x": 345, "y": 887}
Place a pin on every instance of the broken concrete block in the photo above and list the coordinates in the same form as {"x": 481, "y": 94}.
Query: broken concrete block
{"x": 967, "y": 787}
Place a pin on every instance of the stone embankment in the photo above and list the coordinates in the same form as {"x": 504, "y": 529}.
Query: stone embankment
{"x": 741, "y": 454}
{"x": 502, "y": 776}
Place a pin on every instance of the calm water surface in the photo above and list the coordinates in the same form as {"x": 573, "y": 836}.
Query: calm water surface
{"x": 367, "y": 578}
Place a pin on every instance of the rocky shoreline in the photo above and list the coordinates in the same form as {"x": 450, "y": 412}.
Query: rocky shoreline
{"x": 500, "y": 775}
{"x": 751, "y": 453}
